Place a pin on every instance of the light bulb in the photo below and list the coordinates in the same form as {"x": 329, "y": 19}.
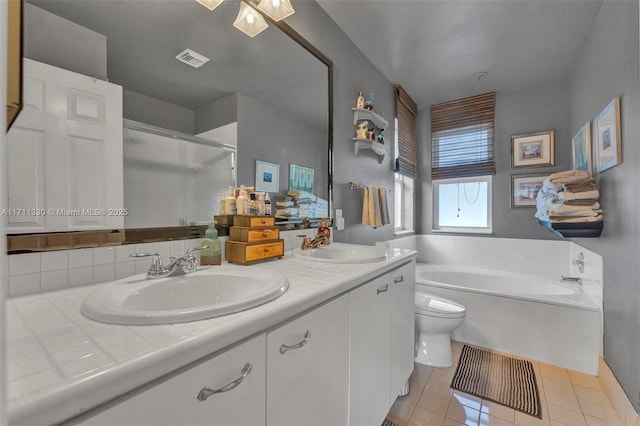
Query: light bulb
{"x": 250, "y": 18}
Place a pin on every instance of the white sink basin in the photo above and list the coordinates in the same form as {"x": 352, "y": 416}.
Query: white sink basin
{"x": 342, "y": 253}
{"x": 207, "y": 293}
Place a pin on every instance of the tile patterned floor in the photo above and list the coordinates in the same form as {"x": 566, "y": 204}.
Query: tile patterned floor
{"x": 568, "y": 398}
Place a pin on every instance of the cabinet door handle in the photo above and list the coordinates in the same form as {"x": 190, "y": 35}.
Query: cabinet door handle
{"x": 398, "y": 280}
{"x": 382, "y": 290}
{"x": 285, "y": 348}
{"x": 207, "y": 392}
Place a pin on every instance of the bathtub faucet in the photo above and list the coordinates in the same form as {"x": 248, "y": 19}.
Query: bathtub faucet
{"x": 576, "y": 280}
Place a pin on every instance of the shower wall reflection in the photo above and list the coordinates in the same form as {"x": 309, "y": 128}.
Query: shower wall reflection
{"x": 171, "y": 178}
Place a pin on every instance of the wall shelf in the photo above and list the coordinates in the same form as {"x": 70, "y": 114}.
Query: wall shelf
{"x": 365, "y": 114}
{"x": 579, "y": 230}
{"x": 377, "y": 147}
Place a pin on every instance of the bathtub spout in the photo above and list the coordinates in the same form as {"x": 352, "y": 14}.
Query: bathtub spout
{"x": 576, "y": 280}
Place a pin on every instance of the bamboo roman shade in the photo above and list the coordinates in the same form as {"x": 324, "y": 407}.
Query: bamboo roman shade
{"x": 406, "y": 112}
{"x": 462, "y": 137}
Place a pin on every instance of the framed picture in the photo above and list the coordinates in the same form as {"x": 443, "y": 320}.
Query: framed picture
{"x": 267, "y": 177}
{"x": 581, "y": 149}
{"x": 301, "y": 178}
{"x": 524, "y": 190}
{"x": 606, "y": 128}
{"x": 532, "y": 149}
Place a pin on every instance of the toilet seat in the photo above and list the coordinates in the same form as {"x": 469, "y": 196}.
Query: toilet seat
{"x": 430, "y": 305}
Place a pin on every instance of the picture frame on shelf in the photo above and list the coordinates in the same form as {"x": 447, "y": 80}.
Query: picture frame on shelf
{"x": 533, "y": 149}
{"x": 581, "y": 149}
{"x": 608, "y": 144}
{"x": 301, "y": 178}
{"x": 267, "y": 177}
{"x": 524, "y": 190}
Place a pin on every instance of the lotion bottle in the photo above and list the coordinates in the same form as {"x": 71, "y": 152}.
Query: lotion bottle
{"x": 242, "y": 202}
{"x": 230, "y": 202}
{"x": 267, "y": 204}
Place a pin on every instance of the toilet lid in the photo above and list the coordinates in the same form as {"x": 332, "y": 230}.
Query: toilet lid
{"x": 437, "y": 305}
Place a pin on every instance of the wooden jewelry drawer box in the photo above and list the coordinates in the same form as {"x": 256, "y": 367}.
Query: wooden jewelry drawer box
{"x": 252, "y": 239}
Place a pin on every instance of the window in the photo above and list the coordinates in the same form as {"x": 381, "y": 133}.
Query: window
{"x": 462, "y": 205}
{"x": 462, "y": 163}
{"x": 403, "y": 211}
{"x": 406, "y": 169}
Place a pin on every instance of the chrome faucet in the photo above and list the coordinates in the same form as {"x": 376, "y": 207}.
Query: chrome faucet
{"x": 180, "y": 266}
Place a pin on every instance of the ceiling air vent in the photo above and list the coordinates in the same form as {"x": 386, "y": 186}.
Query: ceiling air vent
{"x": 192, "y": 58}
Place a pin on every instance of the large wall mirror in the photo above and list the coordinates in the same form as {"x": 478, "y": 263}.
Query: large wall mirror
{"x": 188, "y": 133}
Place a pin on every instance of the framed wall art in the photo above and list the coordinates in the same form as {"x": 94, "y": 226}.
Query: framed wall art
{"x": 532, "y": 149}
{"x": 581, "y": 149}
{"x": 267, "y": 177}
{"x": 301, "y": 178}
{"x": 606, "y": 129}
{"x": 524, "y": 190}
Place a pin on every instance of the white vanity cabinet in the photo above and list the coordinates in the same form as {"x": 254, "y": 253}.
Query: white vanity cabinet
{"x": 370, "y": 352}
{"x": 403, "y": 289}
{"x": 174, "y": 401}
{"x": 308, "y": 368}
{"x": 381, "y": 329}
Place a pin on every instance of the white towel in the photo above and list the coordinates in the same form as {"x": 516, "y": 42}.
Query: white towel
{"x": 586, "y": 195}
{"x": 567, "y": 210}
{"x": 569, "y": 176}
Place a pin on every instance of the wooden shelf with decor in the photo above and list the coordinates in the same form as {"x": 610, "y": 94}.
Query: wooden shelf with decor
{"x": 578, "y": 230}
{"x": 377, "y": 147}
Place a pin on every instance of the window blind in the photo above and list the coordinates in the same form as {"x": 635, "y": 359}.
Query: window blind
{"x": 462, "y": 137}
{"x": 406, "y": 112}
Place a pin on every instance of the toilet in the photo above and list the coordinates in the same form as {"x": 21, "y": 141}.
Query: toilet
{"x": 436, "y": 318}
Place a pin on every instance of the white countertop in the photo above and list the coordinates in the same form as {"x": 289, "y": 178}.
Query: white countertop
{"x": 60, "y": 363}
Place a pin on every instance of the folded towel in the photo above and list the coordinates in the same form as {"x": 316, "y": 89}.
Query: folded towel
{"x": 580, "y": 187}
{"x": 301, "y": 195}
{"x": 589, "y": 203}
{"x": 371, "y": 212}
{"x": 284, "y": 204}
{"x": 569, "y": 176}
{"x": 586, "y": 195}
{"x": 283, "y": 198}
{"x": 563, "y": 219}
{"x": 566, "y": 210}
{"x": 287, "y": 212}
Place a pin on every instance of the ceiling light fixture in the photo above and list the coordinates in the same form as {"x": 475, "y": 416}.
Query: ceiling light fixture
{"x": 276, "y": 9}
{"x": 210, "y": 4}
{"x": 250, "y": 21}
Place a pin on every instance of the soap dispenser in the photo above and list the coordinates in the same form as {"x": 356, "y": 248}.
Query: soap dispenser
{"x": 213, "y": 254}
{"x": 324, "y": 231}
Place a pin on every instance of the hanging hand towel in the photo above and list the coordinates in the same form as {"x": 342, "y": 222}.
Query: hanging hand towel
{"x": 377, "y": 215}
{"x": 365, "y": 207}
{"x": 384, "y": 207}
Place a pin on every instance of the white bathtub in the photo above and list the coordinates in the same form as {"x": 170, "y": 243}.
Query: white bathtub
{"x": 532, "y": 316}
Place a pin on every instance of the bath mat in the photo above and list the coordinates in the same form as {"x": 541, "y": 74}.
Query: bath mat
{"x": 499, "y": 378}
{"x": 388, "y": 422}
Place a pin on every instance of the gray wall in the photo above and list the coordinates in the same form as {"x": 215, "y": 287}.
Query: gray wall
{"x": 64, "y": 44}
{"x": 534, "y": 109}
{"x": 608, "y": 67}
{"x": 352, "y": 72}
{"x": 217, "y": 114}
{"x": 145, "y": 109}
{"x": 268, "y": 134}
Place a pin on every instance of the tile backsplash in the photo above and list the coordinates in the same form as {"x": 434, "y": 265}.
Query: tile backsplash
{"x": 39, "y": 272}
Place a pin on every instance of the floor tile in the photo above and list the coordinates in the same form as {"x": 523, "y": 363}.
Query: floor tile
{"x": 557, "y": 387}
{"x": 488, "y": 420}
{"x": 462, "y": 414}
{"x": 467, "y": 400}
{"x": 566, "y": 416}
{"x": 402, "y": 409}
{"x": 592, "y": 421}
{"x": 439, "y": 388}
{"x": 434, "y": 403}
{"x": 587, "y": 394}
{"x": 554, "y": 372}
{"x": 498, "y": 410}
{"x": 443, "y": 374}
{"x": 523, "y": 419}
{"x": 585, "y": 380}
{"x": 599, "y": 411}
{"x": 424, "y": 417}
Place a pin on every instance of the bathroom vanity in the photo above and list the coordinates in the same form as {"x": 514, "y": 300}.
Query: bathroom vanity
{"x": 335, "y": 349}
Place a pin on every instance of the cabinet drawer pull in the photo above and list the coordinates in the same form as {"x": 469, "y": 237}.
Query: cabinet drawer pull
{"x": 398, "y": 280}
{"x": 207, "y": 392}
{"x": 382, "y": 290}
{"x": 285, "y": 348}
